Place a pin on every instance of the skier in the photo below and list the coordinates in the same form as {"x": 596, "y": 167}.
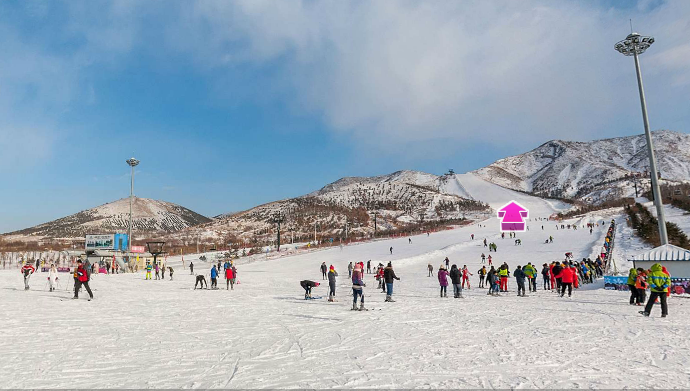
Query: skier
{"x": 230, "y": 273}
{"x": 443, "y": 280}
{"x": 332, "y": 274}
{"x": 307, "y": 285}
{"x": 369, "y": 266}
{"x": 391, "y": 250}
{"x": 455, "y": 280}
{"x": 163, "y": 271}
{"x": 431, "y": 270}
{"x": 214, "y": 277}
{"x": 324, "y": 271}
{"x": 547, "y": 277}
{"x": 483, "y": 258}
{"x": 447, "y": 261}
{"x": 380, "y": 277}
{"x": 409, "y": 240}
{"x": 82, "y": 280}
{"x": 632, "y": 277}
{"x": 556, "y": 273}
{"x": 349, "y": 270}
{"x": 489, "y": 259}
{"x": 504, "y": 273}
{"x": 357, "y": 289}
{"x": 520, "y": 279}
{"x": 52, "y": 277}
{"x": 472, "y": 236}
{"x": 388, "y": 277}
{"x": 641, "y": 286}
{"x": 482, "y": 276}
{"x": 659, "y": 285}
{"x": 531, "y": 274}
{"x": 201, "y": 280}
{"x": 466, "y": 276}
{"x": 567, "y": 277}
{"x": 171, "y": 271}
{"x": 149, "y": 267}
{"x": 27, "y": 270}
{"x": 191, "y": 268}
{"x": 485, "y": 245}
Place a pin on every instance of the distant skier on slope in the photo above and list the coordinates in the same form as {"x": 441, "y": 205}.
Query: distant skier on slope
{"x": 324, "y": 271}
{"x": 332, "y": 274}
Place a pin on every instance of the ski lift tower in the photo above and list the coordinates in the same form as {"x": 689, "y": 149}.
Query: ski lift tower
{"x": 634, "y": 45}
{"x": 155, "y": 249}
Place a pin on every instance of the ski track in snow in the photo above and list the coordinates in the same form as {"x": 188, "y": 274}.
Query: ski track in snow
{"x": 164, "y": 334}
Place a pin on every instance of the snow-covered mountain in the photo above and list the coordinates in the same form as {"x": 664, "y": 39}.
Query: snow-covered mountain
{"x": 592, "y": 171}
{"x": 393, "y": 200}
{"x": 148, "y": 216}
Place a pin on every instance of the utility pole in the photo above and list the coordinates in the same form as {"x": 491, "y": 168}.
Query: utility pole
{"x": 278, "y": 219}
{"x": 132, "y": 163}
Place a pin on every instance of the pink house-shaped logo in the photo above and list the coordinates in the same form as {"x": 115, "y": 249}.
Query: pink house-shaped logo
{"x": 513, "y": 217}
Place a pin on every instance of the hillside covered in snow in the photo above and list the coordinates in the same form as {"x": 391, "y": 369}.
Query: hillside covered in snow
{"x": 592, "y": 171}
{"x": 364, "y": 204}
{"x": 148, "y": 216}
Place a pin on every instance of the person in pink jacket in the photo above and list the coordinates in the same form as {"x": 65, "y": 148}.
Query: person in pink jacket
{"x": 443, "y": 280}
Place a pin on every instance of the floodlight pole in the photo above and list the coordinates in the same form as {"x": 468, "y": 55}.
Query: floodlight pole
{"x": 635, "y": 44}
{"x": 132, "y": 163}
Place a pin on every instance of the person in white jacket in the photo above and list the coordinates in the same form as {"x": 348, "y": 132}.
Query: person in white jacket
{"x": 52, "y": 277}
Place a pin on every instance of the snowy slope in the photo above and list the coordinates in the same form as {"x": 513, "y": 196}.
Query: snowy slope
{"x": 595, "y": 170}
{"x": 148, "y": 216}
{"x": 163, "y": 334}
{"x": 673, "y": 215}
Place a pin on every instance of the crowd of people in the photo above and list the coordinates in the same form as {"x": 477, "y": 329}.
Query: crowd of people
{"x": 658, "y": 280}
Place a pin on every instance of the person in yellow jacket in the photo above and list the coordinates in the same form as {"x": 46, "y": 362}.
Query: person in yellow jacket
{"x": 659, "y": 283}
{"x": 149, "y": 268}
{"x": 503, "y": 273}
{"x": 531, "y": 274}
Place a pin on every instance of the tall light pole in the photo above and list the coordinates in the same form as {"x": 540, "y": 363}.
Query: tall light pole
{"x": 634, "y": 45}
{"x": 132, "y": 163}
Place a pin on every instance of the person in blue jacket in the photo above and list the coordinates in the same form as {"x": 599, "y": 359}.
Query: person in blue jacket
{"x": 214, "y": 277}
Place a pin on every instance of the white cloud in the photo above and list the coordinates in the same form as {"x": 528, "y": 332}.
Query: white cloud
{"x": 397, "y": 71}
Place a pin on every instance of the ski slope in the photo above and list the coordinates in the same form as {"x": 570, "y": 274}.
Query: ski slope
{"x": 163, "y": 334}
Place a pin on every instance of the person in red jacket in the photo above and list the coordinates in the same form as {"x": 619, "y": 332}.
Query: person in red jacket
{"x": 82, "y": 280}
{"x": 230, "y": 274}
{"x": 27, "y": 270}
{"x": 567, "y": 277}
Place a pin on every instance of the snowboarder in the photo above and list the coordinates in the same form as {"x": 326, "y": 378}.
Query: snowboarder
{"x": 52, "y": 277}
{"x": 82, "y": 280}
{"x": 332, "y": 274}
{"x": 443, "y": 280}
{"x": 307, "y": 285}
{"x": 214, "y": 277}
{"x": 201, "y": 281}
{"x": 324, "y": 271}
{"x": 659, "y": 285}
{"x": 27, "y": 270}
{"x": 388, "y": 277}
{"x": 520, "y": 279}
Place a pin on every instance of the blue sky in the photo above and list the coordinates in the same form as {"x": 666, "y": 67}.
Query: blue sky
{"x": 235, "y": 103}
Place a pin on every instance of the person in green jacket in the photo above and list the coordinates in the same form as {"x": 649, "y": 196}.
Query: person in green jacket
{"x": 659, "y": 284}
{"x": 632, "y": 277}
{"x": 530, "y": 273}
